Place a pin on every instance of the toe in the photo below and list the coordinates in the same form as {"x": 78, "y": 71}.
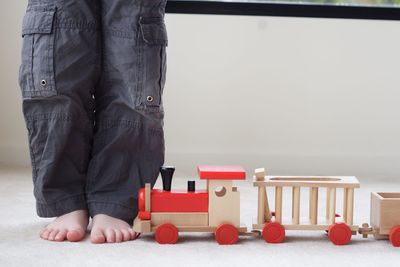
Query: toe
{"x": 75, "y": 235}
{"x": 61, "y": 235}
{"x": 133, "y": 234}
{"x": 44, "y": 234}
{"x": 118, "y": 236}
{"x": 125, "y": 235}
{"x": 110, "y": 235}
{"x": 97, "y": 236}
{"x": 53, "y": 234}
{"x": 42, "y": 231}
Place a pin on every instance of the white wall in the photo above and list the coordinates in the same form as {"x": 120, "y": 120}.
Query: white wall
{"x": 295, "y": 95}
{"x": 13, "y": 134}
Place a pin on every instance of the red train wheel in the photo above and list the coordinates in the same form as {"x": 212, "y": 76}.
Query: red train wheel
{"x": 273, "y": 232}
{"x": 166, "y": 234}
{"x": 339, "y": 234}
{"x": 394, "y": 236}
{"x": 226, "y": 234}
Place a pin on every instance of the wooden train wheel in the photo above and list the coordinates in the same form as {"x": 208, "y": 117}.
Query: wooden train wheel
{"x": 394, "y": 236}
{"x": 226, "y": 234}
{"x": 166, "y": 233}
{"x": 273, "y": 232}
{"x": 339, "y": 234}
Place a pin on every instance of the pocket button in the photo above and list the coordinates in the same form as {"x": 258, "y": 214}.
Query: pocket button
{"x": 149, "y": 98}
{"x": 43, "y": 83}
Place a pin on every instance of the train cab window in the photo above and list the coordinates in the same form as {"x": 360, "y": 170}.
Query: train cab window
{"x": 220, "y": 191}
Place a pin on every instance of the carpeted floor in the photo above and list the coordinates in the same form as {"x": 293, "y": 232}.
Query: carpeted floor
{"x": 21, "y": 246}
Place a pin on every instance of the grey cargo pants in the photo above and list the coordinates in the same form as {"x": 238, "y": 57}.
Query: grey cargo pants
{"x": 92, "y": 79}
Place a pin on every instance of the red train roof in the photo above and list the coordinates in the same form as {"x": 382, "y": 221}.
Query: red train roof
{"x": 209, "y": 172}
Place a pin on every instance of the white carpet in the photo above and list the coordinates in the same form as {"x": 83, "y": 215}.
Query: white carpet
{"x": 21, "y": 246}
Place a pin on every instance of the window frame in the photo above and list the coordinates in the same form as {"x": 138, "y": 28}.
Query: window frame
{"x": 283, "y": 9}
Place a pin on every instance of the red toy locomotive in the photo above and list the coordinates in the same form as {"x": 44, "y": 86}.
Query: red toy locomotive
{"x": 216, "y": 209}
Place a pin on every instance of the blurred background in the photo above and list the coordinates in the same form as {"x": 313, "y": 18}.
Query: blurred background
{"x": 294, "y": 95}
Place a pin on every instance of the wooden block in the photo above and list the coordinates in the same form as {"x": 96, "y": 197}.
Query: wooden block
{"x": 332, "y": 206}
{"x": 261, "y": 205}
{"x": 254, "y": 233}
{"x": 313, "y": 227}
{"x": 180, "y": 218}
{"x": 140, "y": 226}
{"x": 350, "y": 204}
{"x": 267, "y": 213}
{"x": 278, "y": 204}
{"x": 345, "y": 204}
{"x": 296, "y": 205}
{"x": 136, "y": 226}
{"x": 311, "y": 181}
{"x": 375, "y": 211}
{"x": 380, "y": 237}
{"x": 147, "y": 197}
{"x": 260, "y": 174}
{"x": 203, "y": 229}
{"x": 305, "y": 225}
{"x": 224, "y": 203}
{"x": 314, "y": 205}
{"x": 385, "y": 212}
{"x": 328, "y": 204}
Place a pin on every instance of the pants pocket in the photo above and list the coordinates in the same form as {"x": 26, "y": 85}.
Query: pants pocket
{"x": 152, "y": 63}
{"x": 36, "y": 73}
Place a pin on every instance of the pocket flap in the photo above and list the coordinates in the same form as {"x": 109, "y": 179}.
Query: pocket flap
{"x": 38, "y": 22}
{"x": 153, "y": 30}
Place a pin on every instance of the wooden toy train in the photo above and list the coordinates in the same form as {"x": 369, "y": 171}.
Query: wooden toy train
{"x": 217, "y": 209}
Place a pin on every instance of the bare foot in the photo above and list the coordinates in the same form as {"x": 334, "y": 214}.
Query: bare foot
{"x": 109, "y": 229}
{"x": 71, "y": 226}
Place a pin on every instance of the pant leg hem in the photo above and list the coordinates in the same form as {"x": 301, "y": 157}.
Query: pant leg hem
{"x": 61, "y": 207}
{"x": 112, "y": 209}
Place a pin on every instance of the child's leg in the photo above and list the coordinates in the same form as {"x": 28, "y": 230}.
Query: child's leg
{"x": 59, "y": 70}
{"x": 128, "y": 146}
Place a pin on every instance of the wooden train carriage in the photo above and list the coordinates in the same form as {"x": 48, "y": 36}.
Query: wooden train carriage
{"x": 385, "y": 216}
{"x": 339, "y": 229}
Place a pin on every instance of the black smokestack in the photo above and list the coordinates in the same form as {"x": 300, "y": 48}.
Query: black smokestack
{"x": 166, "y": 174}
{"x": 191, "y": 186}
